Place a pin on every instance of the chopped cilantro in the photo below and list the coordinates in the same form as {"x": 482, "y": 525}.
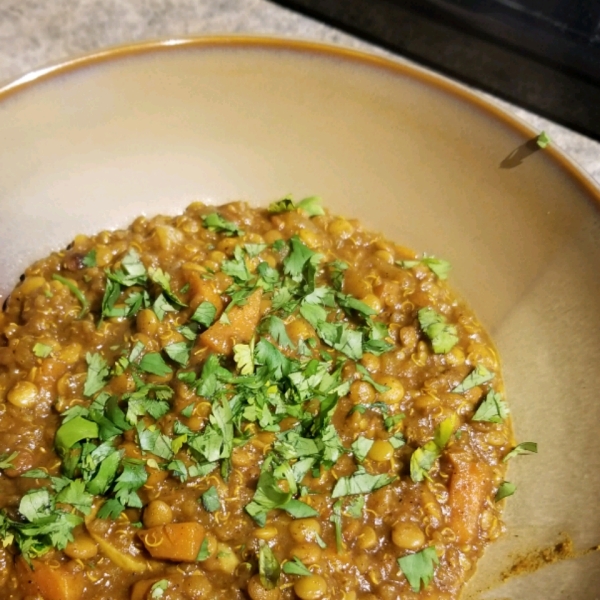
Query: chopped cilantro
{"x": 243, "y": 355}
{"x": 210, "y": 499}
{"x": 278, "y": 332}
{"x": 42, "y": 350}
{"x": 419, "y": 567}
{"x": 158, "y": 589}
{"x": 543, "y": 140}
{"x": 360, "y": 482}
{"x": 205, "y": 314}
{"x": 6, "y": 461}
{"x": 72, "y": 286}
{"x": 215, "y": 222}
{"x": 154, "y": 363}
{"x": 163, "y": 279}
{"x": 296, "y": 567}
{"x": 505, "y": 489}
{"x": 360, "y": 447}
{"x": 423, "y": 459}
{"x": 162, "y": 306}
{"x": 268, "y": 567}
{"x": 97, "y": 374}
{"x": 493, "y": 409}
{"x": 478, "y": 376}
{"x": 89, "y": 260}
{"x": 437, "y": 266}
{"x": 178, "y": 352}
{"x": 204, "y": 551}
{"x": 311, "y": 206}
{"x": 336, "y": 519}
{"x": 355, "y": 507}
{"x": 442, "y": 335}
{"x": 522, "y": 448}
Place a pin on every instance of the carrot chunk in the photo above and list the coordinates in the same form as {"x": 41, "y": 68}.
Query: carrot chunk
{"x": 179, "y": 542}
{"x": 204, "y": 291}
{"x": 49, "y": 582}
{"x": 221, "y": 337}
{"x": 469, "y": 487}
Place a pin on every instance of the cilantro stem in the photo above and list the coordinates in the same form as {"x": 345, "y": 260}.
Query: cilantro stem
{"x": 85, "y": 306}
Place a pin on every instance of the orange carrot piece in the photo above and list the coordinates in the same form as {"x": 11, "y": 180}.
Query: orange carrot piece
{"x": 204, "y": 291}
{"x": 469, "y": 487}
{"x": 49, "y": 582}
{"x": 179, "y": 542}
{"x": 221, "y": 337}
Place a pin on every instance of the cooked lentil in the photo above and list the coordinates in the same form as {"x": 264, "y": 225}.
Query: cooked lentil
{"x": 242, "y": 403}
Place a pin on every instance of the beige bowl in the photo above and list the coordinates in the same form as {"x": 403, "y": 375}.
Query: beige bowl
{"x": 90, "y": 144}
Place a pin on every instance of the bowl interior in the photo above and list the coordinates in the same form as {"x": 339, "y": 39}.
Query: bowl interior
{"x": 91, "y": 147}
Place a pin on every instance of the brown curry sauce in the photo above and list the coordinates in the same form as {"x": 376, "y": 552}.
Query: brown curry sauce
{"x": 429, "y": 472}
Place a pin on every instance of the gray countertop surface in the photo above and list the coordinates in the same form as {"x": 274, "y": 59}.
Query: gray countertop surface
{"x": 36, "y": 33}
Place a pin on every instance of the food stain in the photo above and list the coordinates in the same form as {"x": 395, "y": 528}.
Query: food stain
{"x": 532, "y": 561}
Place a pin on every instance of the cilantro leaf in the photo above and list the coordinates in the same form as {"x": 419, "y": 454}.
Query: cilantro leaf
{"x": 163, "y": 279}
{"x": 178, "y": 352}
{"x": 72, "y": 286}
{"x": 478, "y": 376}
{"x": 543, "y": 140}
{"x": 360, "y": 447}
{"x": 243, "y": 355}
{"x": 493, "y": 409}
{"x": 204, "y": 551}
{"x": 158, "y": 589}
{"x": 522, "y": 448}
{"x": 311, "y": 206}
{"x": 360, "y": 482}
{"x": 132, "y": 271}
{"x": 423, "y": 459}
{"x": 6, "y": 461}
{"x": 336, "y": 519}
{"x": 284, "y": 205}
{"x": 367, "y": 377}
{"x": 355, "y": 507}
{"x": 204, "y": 314}
{"x": 42, "y": 350}
{"x": 75, "y": 495}
{"x": 342, "y": 338}
{"x": 73, "y": 431}
{"x": 97, "y": 374}
{"x": 505, "y": 489}
{"x": 112, "y": 292}
{"x": 438, "y": 266}
{"x": 299, "y": 258}
{"x": 36, "y": 504}
{"x": 278, "y": 332}
{"x": 89, "y": 260}
{"x": 419, "y": 567}
{"x": 132, "y": 478}
{"x": 253, "y": 250}
{"x": 162, "y": 306}
{"x": 152, "y": 440}
{"x": 296, "y": 567}
{"x": 111, "y": 509}
{"x": 154, "y": 363}
{"x": 351, "y": 303}
{"x": 442, "y": 335}
{"x": 215, "y": 222}
{"x": 210, "y": 499}
{"x": 268, "y": 567}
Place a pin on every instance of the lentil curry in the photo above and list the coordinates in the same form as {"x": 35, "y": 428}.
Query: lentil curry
{"x": 240, "y": 403}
